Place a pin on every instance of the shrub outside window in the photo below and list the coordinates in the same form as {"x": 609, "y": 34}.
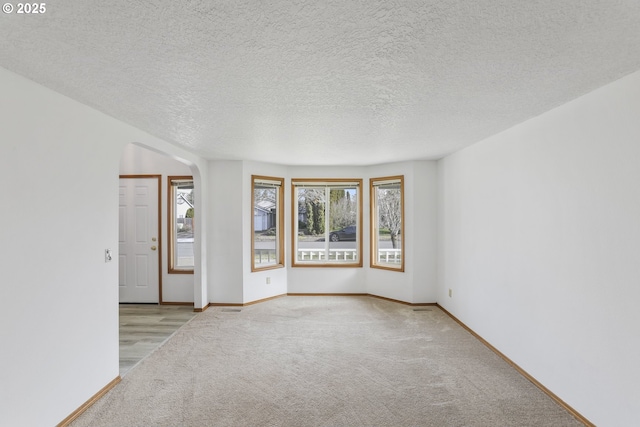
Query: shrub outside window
{"x": 387, "y": 223}
{"x": 267, "y": 228}
{"x": 181, "y": 224}
{"x": 327, "y": 222}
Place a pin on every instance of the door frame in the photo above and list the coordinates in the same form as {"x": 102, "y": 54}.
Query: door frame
{"x": 160, "y": 241}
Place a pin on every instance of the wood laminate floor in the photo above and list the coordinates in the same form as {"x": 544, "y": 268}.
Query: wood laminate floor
{"x": 144, "y": 327}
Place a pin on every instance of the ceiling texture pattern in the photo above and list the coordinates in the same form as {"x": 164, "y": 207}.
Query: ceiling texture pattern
{"x": 324, "y": 82}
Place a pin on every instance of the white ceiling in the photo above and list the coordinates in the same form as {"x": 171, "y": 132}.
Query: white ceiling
{"x": 334, "y": 82}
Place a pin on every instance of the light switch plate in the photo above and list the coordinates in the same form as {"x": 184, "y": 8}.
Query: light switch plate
{"x": 107, "y": 255}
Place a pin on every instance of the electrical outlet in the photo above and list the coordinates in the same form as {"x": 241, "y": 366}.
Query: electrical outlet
{"x": 107, "y": 255}
{"x": 268, "y": 280}
{"x": 450, "y": 293}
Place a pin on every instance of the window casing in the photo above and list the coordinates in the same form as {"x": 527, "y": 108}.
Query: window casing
{"x": 387, "y": 223}
{"x": 326, "y": 222}
{"x": 267, "y": 224}
{"x": 181, "y": 224}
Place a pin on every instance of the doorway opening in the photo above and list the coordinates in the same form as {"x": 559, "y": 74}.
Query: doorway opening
{"x": 154, "y": 302}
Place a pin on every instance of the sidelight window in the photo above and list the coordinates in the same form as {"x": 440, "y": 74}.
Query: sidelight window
{"x": 181, "y": 224}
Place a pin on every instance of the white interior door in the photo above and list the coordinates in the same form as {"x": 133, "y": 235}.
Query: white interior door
{"x": 139, "y": 242}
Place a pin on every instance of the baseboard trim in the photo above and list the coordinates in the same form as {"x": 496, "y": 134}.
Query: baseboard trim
{"x": 86, "y": 405}
{"x": 296, "y": 294}
{"x": 522, "y": 372}
{"x": 411, "y": 304}
{"x": 200, "y": 310}
{"x": 186, "y": 303}
{"x": 239, "y": 304}
{"x": 264, "y": 299}
{"x": 226, "y": 304}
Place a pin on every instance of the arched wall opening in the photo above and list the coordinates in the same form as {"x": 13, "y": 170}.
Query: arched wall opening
{"x": 142, "y": 160}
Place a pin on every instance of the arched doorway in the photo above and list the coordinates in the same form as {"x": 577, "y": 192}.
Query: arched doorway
{"x": 176, "y": 291}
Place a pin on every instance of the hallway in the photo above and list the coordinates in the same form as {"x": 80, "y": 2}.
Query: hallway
{"x": 145, "y": 327}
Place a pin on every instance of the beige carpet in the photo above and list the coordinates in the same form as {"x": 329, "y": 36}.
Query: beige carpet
{"x": 324, "y": 361}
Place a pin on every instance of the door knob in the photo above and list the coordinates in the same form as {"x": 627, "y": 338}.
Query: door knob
{"x": 153, "y": 248}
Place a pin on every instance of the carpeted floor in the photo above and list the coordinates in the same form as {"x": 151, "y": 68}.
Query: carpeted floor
{"x": 324, "y": 361}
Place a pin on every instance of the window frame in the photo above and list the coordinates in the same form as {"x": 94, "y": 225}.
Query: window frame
{"x": 326, "y": 183}
{"x": 373, "y": 210}
{"x": 280, "y": 257}
{"x": 171, "y": 221}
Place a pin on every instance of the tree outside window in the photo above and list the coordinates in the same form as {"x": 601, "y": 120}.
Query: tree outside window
{"x": 387, "y": 223}
{"x": 327, "y": 222}
{"x": 181, "y": 224}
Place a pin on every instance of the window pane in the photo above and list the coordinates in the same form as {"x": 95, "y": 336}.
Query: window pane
{"x": 344, "y": 233}
{"x": 184, "y": 209}
{"x": 311, "y": 224}
{"x": 267, "y": 244}
{"x": 327, "y": 221}
{"x": 387, "y": 220}
{"x": 265, "y": 226}
{"x": 181, "y": 224}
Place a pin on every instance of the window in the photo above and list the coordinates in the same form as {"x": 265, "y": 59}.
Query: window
{"x": 268, "y": 223}
{"x": 327, "y": 222}
{"x": 387, "y": 223}
{"x": 181, "y": 212}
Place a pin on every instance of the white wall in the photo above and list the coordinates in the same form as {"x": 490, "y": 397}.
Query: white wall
{"x": 59, "y": 321}
{"x": 230, "y": 235}
{"x": 225, "y": 237}
{"x": 540, "y": 244}
{"x": 255, "y": 283}
{"x": 139, "y": 160}
{"x": 418, "y": 283}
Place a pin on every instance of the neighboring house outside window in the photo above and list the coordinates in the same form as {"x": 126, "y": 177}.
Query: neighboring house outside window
{"x": 267, "y": 243}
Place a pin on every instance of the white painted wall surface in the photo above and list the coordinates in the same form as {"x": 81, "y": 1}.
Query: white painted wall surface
{"x": 418, "y": 282}
{"x": 226, "y": 232}
{"x": 421, "y": 207}
{"x": 540, "y": 244}
{"x": 139, "y": 160}
{"x": 255, "y": 286}
{"x": 59, "y": 321}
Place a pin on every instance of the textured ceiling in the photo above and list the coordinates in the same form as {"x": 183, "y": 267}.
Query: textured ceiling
{"x": 324, "y": 82}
